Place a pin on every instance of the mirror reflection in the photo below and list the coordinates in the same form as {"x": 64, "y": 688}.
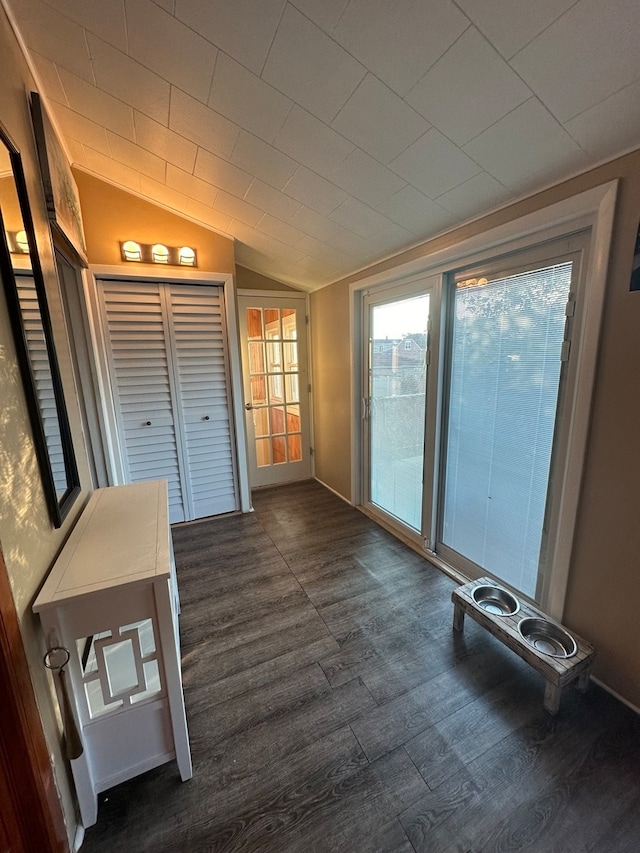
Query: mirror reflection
{"x": 37, "y": 346}
{"x": 30, "y": 319}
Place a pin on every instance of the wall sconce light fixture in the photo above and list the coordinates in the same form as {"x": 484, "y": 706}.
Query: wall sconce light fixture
{"x": 18, "y": 242}
{"x": 158, "y": 253}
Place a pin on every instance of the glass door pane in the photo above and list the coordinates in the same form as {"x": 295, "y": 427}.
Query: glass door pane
{"x": 398, "y": 345}
{"x": 272, "y": 342}
{"x": 505, "y": 368}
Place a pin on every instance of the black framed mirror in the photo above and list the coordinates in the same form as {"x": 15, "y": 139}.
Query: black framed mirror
{"x": 31, "y": 324}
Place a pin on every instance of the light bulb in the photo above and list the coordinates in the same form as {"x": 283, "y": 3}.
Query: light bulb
{"x": 187, "y": 256}
{"x": 22, "y": 242}
{"x": 131, "y": 251}
{"x": 160, "y": 254}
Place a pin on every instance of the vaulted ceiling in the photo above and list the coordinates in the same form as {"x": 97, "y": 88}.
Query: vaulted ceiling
{"x": 324, "y": 135}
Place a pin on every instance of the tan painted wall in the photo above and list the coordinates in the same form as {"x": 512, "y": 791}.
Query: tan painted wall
{"x": 111, "y": 215}
{"x": 247, "y": 279}
{"x": 330, "y": 359}
{"x": 27, "y": 539}
{"x": 11, "y": 215}
{"x": 604, "y": 582}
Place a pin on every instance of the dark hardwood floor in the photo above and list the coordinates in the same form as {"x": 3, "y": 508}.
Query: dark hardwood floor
{"x": 332, "y": 708}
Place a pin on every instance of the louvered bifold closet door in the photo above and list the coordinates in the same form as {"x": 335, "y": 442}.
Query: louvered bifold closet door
{"x": 199, "y": 348}
{"x": 39, "y": 358}
{"x": 167, "y": 352}
{"x": 136, "y": 325}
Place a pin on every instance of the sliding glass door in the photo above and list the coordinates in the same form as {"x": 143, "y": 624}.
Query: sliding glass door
{"x": 464, "y": 437}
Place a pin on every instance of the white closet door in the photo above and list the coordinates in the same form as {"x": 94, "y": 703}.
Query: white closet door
{"x": 139, "y": 366}
{"x": 168, "y": 365}
{"x": 199, "y": 348}
{"x": 43, "y": 380}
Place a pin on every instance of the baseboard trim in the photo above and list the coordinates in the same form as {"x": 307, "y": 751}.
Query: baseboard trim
{"x": 337, "y": 494}
{"x": 615, "y": 695}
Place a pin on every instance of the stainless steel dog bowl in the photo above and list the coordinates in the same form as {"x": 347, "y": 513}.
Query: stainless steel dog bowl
{"x": 548, "y": 638}
{"x": 495, "y": 600}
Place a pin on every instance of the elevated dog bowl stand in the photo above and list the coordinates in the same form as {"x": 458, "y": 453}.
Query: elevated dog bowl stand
{"x": 558, "y": 671}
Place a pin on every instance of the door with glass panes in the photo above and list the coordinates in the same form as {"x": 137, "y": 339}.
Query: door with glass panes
{"x": 276, "y": 385}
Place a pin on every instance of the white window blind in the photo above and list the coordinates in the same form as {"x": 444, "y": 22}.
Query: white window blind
{"x": 505, "y": 374}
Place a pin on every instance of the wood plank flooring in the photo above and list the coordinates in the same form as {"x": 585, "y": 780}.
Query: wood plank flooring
{"x": 332, "y": 708}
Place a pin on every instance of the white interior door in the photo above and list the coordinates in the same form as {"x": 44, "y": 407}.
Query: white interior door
{"x": 275, "y": 377}
{"x": 167, "y": 358}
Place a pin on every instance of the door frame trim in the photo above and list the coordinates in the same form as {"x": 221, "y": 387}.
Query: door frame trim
{"x": 112, "y": 447}
{"x": 32, "y": 814}
{"x": 592, "y": 209}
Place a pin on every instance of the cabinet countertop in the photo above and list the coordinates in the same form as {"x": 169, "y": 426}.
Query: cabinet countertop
{"x": 121, "y": 537}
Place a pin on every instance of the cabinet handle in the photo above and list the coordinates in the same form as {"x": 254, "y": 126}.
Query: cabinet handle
{"x": 206, "y": 418}
{"x": 147, "y": 423}
{"x": 73, "y": 740}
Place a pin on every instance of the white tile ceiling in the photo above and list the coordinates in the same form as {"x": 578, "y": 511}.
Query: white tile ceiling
{"x": 324, "y": 135}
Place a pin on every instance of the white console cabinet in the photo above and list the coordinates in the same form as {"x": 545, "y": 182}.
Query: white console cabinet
{"x": 111, "y": 600}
